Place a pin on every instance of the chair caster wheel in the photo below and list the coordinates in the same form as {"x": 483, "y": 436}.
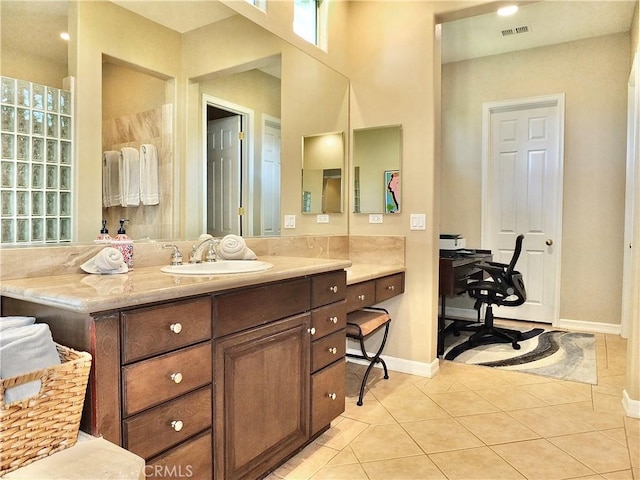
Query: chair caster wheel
{"x": 515, "y": 346}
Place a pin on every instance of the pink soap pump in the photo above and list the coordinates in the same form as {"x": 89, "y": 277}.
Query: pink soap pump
{"x": 103, "y": 236}
{"x": 123, "y": 243}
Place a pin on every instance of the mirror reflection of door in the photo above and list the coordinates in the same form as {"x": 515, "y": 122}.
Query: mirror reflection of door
{"x": 224, "y": 172}
{"x": 270, "y": 204}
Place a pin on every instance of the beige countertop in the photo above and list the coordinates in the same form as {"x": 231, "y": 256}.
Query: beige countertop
{"x": 362, "y": 272}
{"x": 86, "y": 293}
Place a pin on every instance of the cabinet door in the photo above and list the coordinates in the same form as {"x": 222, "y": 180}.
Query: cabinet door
{"x": 261, "y": 397}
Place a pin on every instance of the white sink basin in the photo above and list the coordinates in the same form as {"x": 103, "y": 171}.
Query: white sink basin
{"x": 221, "y": 267}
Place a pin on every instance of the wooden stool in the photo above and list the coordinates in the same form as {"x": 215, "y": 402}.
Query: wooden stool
{"x": 360, "y": 325}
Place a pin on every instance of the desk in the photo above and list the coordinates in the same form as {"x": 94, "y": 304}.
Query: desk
{"x": 455, "y": 272}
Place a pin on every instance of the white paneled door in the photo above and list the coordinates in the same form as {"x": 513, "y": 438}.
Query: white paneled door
{"x": 522, "y": 193}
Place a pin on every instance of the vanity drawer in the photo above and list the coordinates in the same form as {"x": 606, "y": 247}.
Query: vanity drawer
{"x": 360, "y": 295}
{"x": 327, "y": 395}
{"x": 390, "y": 286}
{"x": 192, "y": 459}
{"x": 155, "y": 430}
{"x": 329, "y": 319}
{"x": 328, "y": 288}
{"x": 153, "y": 330}
{"x": 237, "y": 311}
{"x": 150, "y": 382}
{"x": 328, "y": 349}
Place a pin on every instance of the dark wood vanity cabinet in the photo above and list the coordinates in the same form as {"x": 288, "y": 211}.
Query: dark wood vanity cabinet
{"x": 370, "y": 292}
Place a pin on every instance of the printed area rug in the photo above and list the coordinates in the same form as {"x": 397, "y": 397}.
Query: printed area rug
{"x": 552, "y": 353}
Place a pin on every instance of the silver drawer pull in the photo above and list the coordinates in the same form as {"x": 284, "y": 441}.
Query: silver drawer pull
{"x": 361, "y": 297}
{"x": 333, "y": 319}
{"x": 332, "y": 396}
{"x": 176, "y": 377}
{"x": 391, "y": 287}
{"x": 177, "y": 425}
{"x": 312, "y": 330}
{"x": 176, "y": 328}
{"x": 333, "y": 350}
{"x": 334, "y": 288}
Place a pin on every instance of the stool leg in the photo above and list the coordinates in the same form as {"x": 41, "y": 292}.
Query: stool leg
{"x": 373, "y": 360}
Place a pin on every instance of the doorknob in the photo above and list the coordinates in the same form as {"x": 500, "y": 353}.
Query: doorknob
{"x": 549, "y": 242}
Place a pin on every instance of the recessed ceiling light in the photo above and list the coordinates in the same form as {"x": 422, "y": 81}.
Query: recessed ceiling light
{"x": 64, "y": 36}
{"x": 510, "y": 10}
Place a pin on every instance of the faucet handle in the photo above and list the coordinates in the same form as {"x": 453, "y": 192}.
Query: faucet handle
{"x": 176, "y": 256}
{"x": 211, "y": 255}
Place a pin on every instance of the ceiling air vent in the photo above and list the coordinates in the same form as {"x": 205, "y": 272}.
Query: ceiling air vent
{"x": 515, "y": 31}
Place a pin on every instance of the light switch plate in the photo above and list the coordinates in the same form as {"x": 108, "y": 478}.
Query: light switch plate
{"x": 289, "y": 221}
{"x": 417, "y": 221}
{"x": 322, "y": 218}
{"x": 376, "y": 218}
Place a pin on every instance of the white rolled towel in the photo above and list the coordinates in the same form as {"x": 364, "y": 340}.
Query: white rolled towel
{"x": 109, "y": 259}
{"x": 233, "y": 247}
{"x": 15, "y": 321}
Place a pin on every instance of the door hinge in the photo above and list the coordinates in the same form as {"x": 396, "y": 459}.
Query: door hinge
{"x": 240, "y": 135}
{"x": 241, "y": 211}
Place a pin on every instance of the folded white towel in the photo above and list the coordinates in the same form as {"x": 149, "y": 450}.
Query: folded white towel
{"x": 149, "y": 193}
{"x": 23, "y": 350}
{"x": 109, "y": 258}
{"x": 13, "y": 322}
{"x": 130, "y": 176}
{"x": 111, "y": 178}
{"x": 233, "y": 247}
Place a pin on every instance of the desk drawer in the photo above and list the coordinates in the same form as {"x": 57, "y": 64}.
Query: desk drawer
{"x": 329, "y": 319}
{"x": 328, "y": 349}
{"x": 151, "y": 382}
{"x": 153, "y": 431}
{"x": 360, "y": 295}
{"x": 327, "y": 395}
{"x": 149, "y": 331}
{"x": 192, "y": 459}
{"x": 328, "y": 288}
{"x": 253, "y": 307}
{"x": 389, "y": 286}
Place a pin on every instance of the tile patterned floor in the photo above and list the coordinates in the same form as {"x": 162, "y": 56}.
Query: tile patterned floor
{"x": 471, "y": 422}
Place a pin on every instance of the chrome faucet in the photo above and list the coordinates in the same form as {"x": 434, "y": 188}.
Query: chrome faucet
{"x": 207, "y": 244}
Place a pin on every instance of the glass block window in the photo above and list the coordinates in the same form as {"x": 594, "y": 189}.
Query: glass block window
{"x": 36, "y": 163}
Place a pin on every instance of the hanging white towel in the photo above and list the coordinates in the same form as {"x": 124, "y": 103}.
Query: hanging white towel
{"x": 149, "y": 193}
{"x": 111, "y": 178}
{"x": 130, "y": 176}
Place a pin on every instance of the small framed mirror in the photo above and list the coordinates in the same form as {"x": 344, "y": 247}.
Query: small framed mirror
{"x": 377, "y": 179}
{"x": 322, "y": 167}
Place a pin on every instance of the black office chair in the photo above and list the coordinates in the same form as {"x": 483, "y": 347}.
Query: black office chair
{"x": 506, "y": 287}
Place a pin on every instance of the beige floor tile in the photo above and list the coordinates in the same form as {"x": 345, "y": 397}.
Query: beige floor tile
{"x": 409, "y": 468}
{"x": 463, "y": 403}
{"x": 371, "y": 412}
{"x": 341, "y": 472}
{"x": 306, "y": 463}
{"x": 617, "y": 434}
{"x": 493, "y": 428}
{"x": 383, "y": 442}
{"x": 521, "y": 378}
{"x": 344, "y": 457}
{"x": 633, "y": 444}
{"x": 554, "y": 393}
{"x": 607, "y": 403}
{"x": 510, "y": 398}
{"x": 409, "y": 403}
{"x": 549, "y": 421}
{"x": 597, "y": 420}
{"x": 474, "y": 464}
{"x": 441, "y": 384}
{"x": 540, "y": 459}
{"x": 622, "y": 475}
{"x": 340, "y": 435}
{"x": 632, "y": 427}
{"x": 441, "y": 435}
{"x": 597, "y": 451}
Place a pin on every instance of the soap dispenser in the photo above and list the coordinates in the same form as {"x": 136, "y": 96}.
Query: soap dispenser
{"x": 123, "y": 243}
{"x": 103, "y": 236}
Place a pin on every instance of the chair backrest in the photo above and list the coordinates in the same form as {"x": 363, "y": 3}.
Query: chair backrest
{"x": 516, "y": 255}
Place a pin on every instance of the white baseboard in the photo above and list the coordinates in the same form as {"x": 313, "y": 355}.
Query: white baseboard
{"x": 631, "y": 407}
{"x": 593, "y": 327}
{"x": 400, "y": 364}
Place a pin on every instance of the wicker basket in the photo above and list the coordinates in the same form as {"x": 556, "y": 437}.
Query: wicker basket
{"x": 49, "y": 421}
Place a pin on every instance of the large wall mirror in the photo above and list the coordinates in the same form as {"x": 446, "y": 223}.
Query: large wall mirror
{"x": 322, "y": 166}
{"x": 230, "y": 67}
{"x": 377, "y": 179}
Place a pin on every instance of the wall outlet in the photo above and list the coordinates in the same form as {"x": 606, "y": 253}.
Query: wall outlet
{"x": 376, "y": 218}
{"x": 289, "y": 221}
{"x": 322, "y": 218}
{"x": 417, "y": 221}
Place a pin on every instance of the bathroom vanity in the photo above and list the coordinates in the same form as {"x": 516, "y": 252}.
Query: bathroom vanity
{"x": 215, "y": 376}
